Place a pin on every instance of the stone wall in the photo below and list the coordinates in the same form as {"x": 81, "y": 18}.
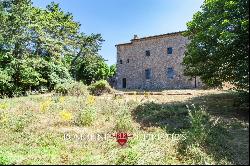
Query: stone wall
{"x": 135, "y": 62}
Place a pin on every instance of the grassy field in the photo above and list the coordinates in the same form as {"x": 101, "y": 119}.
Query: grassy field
{"x": 203, "y": 127}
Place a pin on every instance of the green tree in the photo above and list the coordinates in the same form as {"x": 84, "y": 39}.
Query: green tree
{"x": 112, "y": 70}
{"x": 92, "y": 68}
{"x": 38, "y": 46}
{"x": 87, "y": 45}
{"x": 218, "y": 50}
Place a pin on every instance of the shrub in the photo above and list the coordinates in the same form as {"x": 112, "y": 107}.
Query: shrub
{"x": 4, "y": 160}
{"x": 127, "y": 157}
{"x": 204, "y": 132}
{"x": 72, "y": 89}
{"x": 100, "y": 87}
{"x": 48, "y": 139}
{"x": 123, "y": 124}
{"x": 43, "y": 89}
{"x": 77, "y": 89}
{"x": 18, "y": 123}
{"x": 198, "y": 129}
{"x": 62, "y": 88}
{"x": 86, "y": 117}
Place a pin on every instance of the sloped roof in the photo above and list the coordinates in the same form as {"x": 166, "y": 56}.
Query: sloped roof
{"x": 151, "y": 37}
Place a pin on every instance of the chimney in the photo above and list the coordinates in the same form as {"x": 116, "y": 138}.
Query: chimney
{"x": 136, "y": 37}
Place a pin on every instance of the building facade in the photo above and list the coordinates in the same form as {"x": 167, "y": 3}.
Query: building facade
{"x": 153, "y": 62}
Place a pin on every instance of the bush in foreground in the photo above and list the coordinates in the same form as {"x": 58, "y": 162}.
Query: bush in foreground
{"x": 204, "y": 133}
{"x": 86, "y": 117}
{"x": 100, "y": 87}
{"x": 72, "y": 89}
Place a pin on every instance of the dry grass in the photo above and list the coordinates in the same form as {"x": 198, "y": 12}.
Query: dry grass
{"x": 33, "y": 129}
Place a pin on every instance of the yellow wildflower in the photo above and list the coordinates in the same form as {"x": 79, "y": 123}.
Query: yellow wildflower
{"x": 65, "y": 115}
{"x": 45, "y": 105}
{"x": 4, "y": 119}
{"x": 61, "y": 99}
{"x": 4, "y": 106}
{"x": 90, "y": 100}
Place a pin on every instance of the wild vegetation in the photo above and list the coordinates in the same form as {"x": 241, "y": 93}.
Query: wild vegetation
{"x": 47, "y": 129}
{"x": 41, "y": 48}
{"x": 73, "y": 122}
{"x": 219, "y": 47}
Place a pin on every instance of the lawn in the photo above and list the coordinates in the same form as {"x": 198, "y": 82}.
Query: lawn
{"x": 198, "y": 127}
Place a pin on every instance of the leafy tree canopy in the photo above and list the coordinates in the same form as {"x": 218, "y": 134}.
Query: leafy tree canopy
{"x": 92, "y": 68}
{"x": 39, "y": 47}
{"x": 219, "y": 44}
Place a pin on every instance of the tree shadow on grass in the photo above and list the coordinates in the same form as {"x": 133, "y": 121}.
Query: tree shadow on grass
{"x": 223, "y": 137}
{"x": 227, "y": 105}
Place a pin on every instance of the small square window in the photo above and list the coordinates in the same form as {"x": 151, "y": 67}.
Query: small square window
{"x": 170, "y": 50}
{"x": 120, "y": 61}
{"x": 147, "y": 53}
{"x": 127, "y": 60}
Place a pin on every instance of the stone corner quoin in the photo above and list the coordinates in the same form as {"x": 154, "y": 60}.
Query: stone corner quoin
{"x": 153, "y": 62}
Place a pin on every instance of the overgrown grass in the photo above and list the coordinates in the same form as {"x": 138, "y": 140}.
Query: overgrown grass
{"x": 33, "y": 128}
{"x": 86, "y": 117}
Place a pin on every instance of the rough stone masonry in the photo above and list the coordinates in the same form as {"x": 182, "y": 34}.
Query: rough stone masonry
{"x": 153, "y": 62}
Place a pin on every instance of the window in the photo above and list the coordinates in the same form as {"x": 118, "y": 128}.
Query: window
{"x": 148, "y": 73}
{"x": 147, "y": 53}
{"x": 170, "y": 73}
{"x": 170, "y": 50}
{"x": 120, "y": 61}
{"x": 127, "y": 60}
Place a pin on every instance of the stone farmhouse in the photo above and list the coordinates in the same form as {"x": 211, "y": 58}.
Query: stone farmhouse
{"x": 153, "y": 62}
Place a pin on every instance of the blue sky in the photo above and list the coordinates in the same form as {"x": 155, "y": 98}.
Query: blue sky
{"x": 119, "y": 20}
